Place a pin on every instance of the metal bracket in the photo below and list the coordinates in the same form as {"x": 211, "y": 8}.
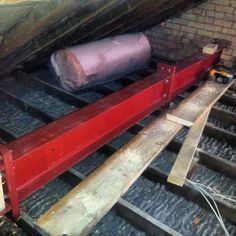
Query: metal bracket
{"x": 168, "y": 71}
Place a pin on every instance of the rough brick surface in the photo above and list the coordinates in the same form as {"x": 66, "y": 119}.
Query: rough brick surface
{"x": 211, "y": 21}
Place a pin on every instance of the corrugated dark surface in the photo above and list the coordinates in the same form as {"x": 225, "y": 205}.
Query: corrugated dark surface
{"x": 173, "y": 210}
{"x": 112, "y": 224}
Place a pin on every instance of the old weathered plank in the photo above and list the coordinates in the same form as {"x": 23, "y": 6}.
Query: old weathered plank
{"x": 184, "y": 159}
{"x": 90, "y": 200}
{"x": 135, "y": 216}
{"x": 81, "y": 209}
{"x": 179, "y": 120}
{"x": 2, "y": 200}
{"x": 194, "y": 105}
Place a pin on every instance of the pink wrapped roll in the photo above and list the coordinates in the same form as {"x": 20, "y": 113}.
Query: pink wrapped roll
{"x": 101, "y": 61}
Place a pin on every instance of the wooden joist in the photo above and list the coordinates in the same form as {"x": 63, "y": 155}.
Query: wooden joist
{"x": 233, "y": 87}
{"x": 223, "y": 115}
{"x": 219, "y": 164}
{"x": 226, "y": 208}
{"x": 228, "y": 99}
{"x": 142, "y": 220}
{"x": 82, "y": 208}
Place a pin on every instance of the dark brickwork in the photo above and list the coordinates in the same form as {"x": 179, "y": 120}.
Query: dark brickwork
{"x": 211, "y": 21}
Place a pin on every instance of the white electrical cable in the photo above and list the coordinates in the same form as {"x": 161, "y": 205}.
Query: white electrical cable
{"x": 218, "y": 194}
{"x": 216, "y": 211}
{"x": 227, "y": 197}
{"x": 217, "y": 214}
{"x": 203, "y": 192}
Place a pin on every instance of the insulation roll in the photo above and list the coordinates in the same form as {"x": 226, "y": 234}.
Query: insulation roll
{"x": 101, "y": 61}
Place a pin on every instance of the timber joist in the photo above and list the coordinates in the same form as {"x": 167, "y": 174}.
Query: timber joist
{"x": 132, "y": 211}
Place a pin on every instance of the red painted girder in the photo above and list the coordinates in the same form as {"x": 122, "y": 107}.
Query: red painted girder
{"x": 48, "y": 151}
{"x": 44, "y": 154}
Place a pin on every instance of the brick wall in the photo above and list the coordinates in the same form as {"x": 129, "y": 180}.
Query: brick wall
{"x": 211, "y": 21}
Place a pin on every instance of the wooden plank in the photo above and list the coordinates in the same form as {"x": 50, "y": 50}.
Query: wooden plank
{"x": 184, "y": 159}
{"x": 135, "y": 216}
{"x": 51, "y": 89}
{"x": 220, "y": 165}
{"x": 82, "y": 208}
{"x": 7, "y": 134}
{"x": 223, "y": 115}
{"x": 142, "y": 220}
{"x": 27, "y": 105}
{"x": 219, "y": 133}
{"x": 2, "y": 200}
{"x": 91, "y": 199}
{"x": 179, "y": 120}
{"x": 228, "y": 99}
{"x": 207, "y": 95}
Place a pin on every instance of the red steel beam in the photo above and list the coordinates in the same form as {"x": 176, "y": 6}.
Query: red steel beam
{"x": 44, "y": 154}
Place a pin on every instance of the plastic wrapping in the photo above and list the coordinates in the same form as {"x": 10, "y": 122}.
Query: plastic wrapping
{"x": 101, "y": 61}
